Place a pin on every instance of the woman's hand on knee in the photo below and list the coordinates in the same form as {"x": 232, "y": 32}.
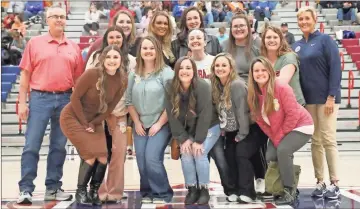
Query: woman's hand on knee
{"x": 197, "y": 149}
{"x": 186, "y": 147}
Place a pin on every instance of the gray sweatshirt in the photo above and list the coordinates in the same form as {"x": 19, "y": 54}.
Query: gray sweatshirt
{"x": 194, "y": 127}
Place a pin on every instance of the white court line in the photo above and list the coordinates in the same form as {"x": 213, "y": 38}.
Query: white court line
{"x": 63, "y": 204}
{"x": 148, "y": 206}
{"x": 350, "y": 195}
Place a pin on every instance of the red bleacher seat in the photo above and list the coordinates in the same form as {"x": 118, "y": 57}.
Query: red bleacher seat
{"x": 83, "y": 45}
{"x": 355, "y": 57}
{"x": 357, "y": 34}
{"x": 353, "y": 49}
{"x": 358, "y": 65}
{"x": 85, "y": 39}
{"x": 350, "y": 42}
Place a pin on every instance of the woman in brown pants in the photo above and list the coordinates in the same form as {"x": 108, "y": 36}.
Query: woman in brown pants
{"x": 96, "y": 95}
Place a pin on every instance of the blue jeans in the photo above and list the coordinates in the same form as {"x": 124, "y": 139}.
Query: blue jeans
{"x": 200, "y": 165}
{"x": 218, "y": 16}
{"x": 42, "y": 108}
{"x": 28, "y": 14}
{"x": 209, "y": 19}
{"x": 150, "y": 150}
{"x": 350, "y": 15}
{"x": 259, "y": 13}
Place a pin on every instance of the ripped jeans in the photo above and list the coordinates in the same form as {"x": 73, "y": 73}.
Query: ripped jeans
{"x": 200, "y": 165}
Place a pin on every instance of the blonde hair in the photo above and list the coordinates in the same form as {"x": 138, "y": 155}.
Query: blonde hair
{"x": 254, "y": 89}
{"x": 307, "y": 9}
{"x": 159, "y": 59}
{"x": 217, "y": 95}
{"x": 166, "y": 40}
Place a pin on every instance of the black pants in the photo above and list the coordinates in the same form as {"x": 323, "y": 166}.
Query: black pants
{"x": 239, "y": 157}
{"x": 91, "y": 26}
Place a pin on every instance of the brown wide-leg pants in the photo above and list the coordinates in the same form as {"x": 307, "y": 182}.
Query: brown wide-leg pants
{"x": 112, "y": 187}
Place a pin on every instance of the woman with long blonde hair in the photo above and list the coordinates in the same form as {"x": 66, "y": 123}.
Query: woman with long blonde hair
{"x": 242, "y": 139}
{"x": 145, "y": 100}
{"x": 195, "y": 125}
{"x": 288, "y": 124}
{"x": 96, "y": 94}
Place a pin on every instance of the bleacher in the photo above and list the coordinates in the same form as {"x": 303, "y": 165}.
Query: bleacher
{"x": 348, "y": 129}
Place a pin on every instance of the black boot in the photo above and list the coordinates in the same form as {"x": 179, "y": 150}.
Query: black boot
{"x": 204, "y": 195}
{"x": 286, "y": 198}
{"x": 92, "y": 182}
{"x": 192, "y": 195}
{"x": 98, "y": 177}
{"x": 85, "y": 173}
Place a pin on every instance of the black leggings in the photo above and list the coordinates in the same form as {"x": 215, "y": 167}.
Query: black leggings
{"x": 91, "y": 26}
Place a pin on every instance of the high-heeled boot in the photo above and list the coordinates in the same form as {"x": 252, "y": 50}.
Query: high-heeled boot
{"x": 96, "y": 181}
{"x": 85, "y": 173}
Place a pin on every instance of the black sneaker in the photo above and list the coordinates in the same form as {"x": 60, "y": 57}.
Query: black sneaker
{"x": 24, "y": 198}
{"x": 320, "y": 190}
{"x": 333, "y": 192}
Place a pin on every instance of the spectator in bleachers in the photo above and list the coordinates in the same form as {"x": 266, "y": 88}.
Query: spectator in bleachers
{"x": 9, "y": 19}
{"x": 358, "y": 12}
{"x": 119, "y": 6}
{"x": 179, "y": 7}
{"x": 243, "y": 48}
{"x": 18, "y": 42}
{"x": 33, "y": 8}
{"x": 289, "y": 126}
{"x": 320, "y": 77}
{"x": 192, "y": 18}
{"x": 136, "y": 7}
{"x": 145, "y": 20}
{"x": 290, "y": 38}
{"x": 18, "y": 25}
{"x": 17, "y": 7}
{"x": 283, "y": 59}
{"x": 233, "y": 7}
{"x": 328, "y": 4}
{"x": 253, "y": 23}
{"x": 51, "y": 81}
{"x": 262, "y": 9}
{"x": 222, "y": 35}
{"x": 92, "y": 18}
{"x": 160, "y": 27}
{"x": 205, "y": 8}
{"x": 4, "y": 31}
{"x": 346, "y": 11}
{"x": 218, "y": 11}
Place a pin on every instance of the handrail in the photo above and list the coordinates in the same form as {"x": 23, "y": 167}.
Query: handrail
{"x": 350, "y": 87}
{"x": 359, "y": 110}
{"x": 322, "y": 27}
{"x": 342, "y": 60}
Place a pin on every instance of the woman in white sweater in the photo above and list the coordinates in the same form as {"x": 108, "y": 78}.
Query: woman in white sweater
{"x": 92, "y": 17}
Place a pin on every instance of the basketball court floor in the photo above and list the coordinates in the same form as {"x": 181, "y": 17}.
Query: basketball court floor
{"x": 349, "y": 170}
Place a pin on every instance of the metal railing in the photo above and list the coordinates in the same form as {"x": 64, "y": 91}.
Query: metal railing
{"x": 350, "y": 87}
{"x": 342, "y": 58}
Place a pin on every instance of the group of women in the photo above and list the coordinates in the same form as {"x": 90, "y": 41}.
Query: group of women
{"x": 218, "y": 101}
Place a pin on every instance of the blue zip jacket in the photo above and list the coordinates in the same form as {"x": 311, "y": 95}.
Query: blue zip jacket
{"x": 34, "y": 7}
{"x": 178, "y": 9}
{"x": 320, "y": 68}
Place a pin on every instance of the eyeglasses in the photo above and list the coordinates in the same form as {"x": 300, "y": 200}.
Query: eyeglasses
{"x": 62, "y": 17}
{"x": 241, "y": 26}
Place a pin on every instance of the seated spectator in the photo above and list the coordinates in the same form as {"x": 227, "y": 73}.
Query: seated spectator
{"x": 288, "y": 36}
{"x": 233, "y": 7}
{"x": 92, "y": 17}
{"x": 205, "y": 8}
{"x": 18, "y": 25}
{"x": 118, "y": 6}
{"x": 33, "y": 8}
{"x": 17, "y": 6}
{"x": 218, "y": 11}
{"x": 346, "y": 11}
{"x": 4, "y": 31}
{"x": 223, "y": 36}
{"x": 145, "y": 20}
{"x": 136, "y": 7}
{"x": 262, "y": 9}
{"x": 18, "y": 43}
{"x": 179, "y": 7}
{"x": 253, "y": 23}
{"x": 328, "y": 4}
{"x": 9, "y": 19}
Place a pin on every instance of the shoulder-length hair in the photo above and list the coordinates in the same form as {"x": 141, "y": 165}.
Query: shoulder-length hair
{"x": 249, "y": 40}
{"x": 132, "y": 37}
{"x": 254, "y": 89}
{"x": 101, "y": 83}
{"x": 184, "y": 30}
{"x": 175, "y": 88}
{"x": 284, "y": 46}
{"x": 159, "y": 59}
{"x": 217, "y": 92}
{"x": 165, "y": 40}
{"x": 124, "y": 47}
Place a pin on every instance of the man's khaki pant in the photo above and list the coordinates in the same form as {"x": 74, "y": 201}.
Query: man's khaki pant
{"x": 324, "y": 141}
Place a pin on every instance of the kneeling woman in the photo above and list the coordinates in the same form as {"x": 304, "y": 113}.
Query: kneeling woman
{"x": 288, "y": 124}
{"x": 96, "y": 94}
{"x": 194, "y": 123}
{"x": 242, "y": 139}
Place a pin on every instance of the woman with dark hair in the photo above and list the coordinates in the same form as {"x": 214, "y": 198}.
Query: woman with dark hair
{"x": 289, "y": 125}
{"x": 192, "y": 18}
{"x": 19, "y": 25}
{"x": 194, "y": 123}
{"x": 97, "y": 93}
{"x": 145, "y": 99}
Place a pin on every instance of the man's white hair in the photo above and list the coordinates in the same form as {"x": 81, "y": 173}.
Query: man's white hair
{"x": 53, "y": 8}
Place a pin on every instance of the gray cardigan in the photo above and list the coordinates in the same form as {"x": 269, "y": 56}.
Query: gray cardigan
{"x": 194, "y": 127}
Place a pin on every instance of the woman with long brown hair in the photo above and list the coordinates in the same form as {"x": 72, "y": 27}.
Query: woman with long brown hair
{"x": 97, "y": 93}
{"x": 242, "y": 139}
{"x": 288, "y": 124}
{"x": 195, "y": 125}
{"x": 284, "y": 61}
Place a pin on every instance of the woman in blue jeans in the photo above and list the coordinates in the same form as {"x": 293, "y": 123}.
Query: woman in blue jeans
{"x": 194, "y": 124}
{"x": 145, "y": 100}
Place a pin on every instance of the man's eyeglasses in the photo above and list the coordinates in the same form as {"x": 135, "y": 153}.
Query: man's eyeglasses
{"x": 62, "y": 17}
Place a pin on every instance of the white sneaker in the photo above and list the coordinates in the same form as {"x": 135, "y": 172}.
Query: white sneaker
{"x": 232, "y": 198}
{"x": 260, "y": 186}
{"x": 24, "y": 198}
{"x": 245, "y": 199}
{"x": 124, "y": 196}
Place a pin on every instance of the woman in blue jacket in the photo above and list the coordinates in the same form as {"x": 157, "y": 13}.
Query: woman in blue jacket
{"x": 320, "y": 79}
